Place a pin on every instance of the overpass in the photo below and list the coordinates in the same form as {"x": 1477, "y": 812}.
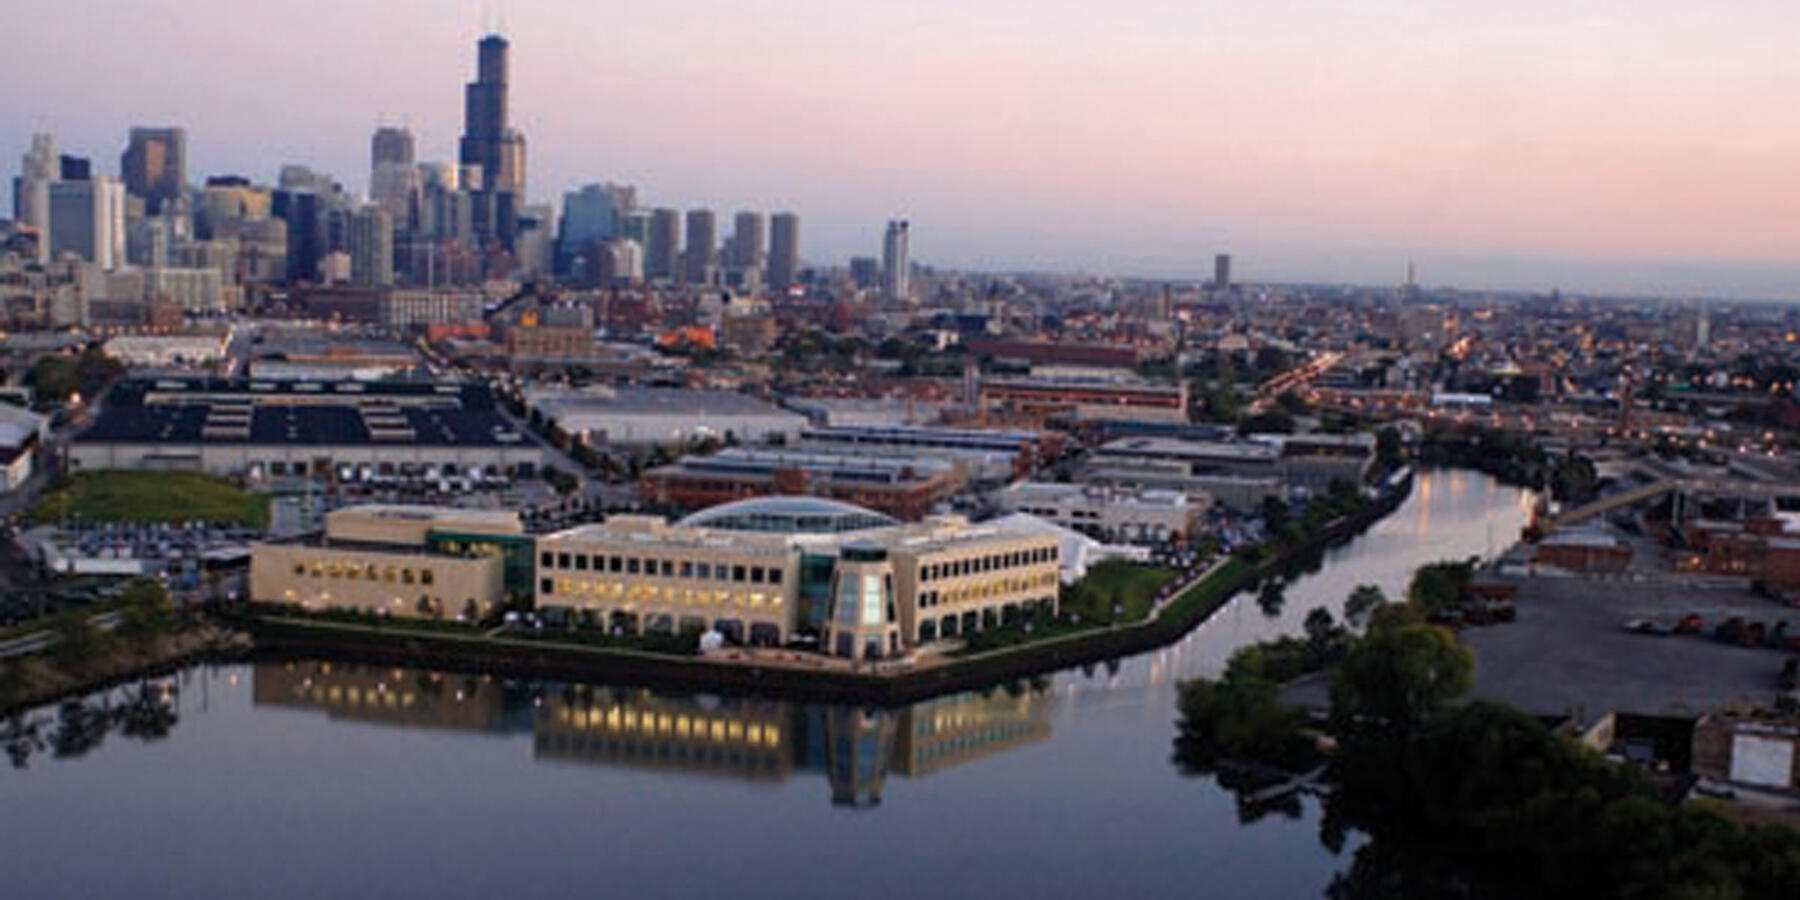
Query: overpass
{"x": 1704, "y": 487}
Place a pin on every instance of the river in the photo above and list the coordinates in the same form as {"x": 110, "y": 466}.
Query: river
{"x": 310, "y": 780}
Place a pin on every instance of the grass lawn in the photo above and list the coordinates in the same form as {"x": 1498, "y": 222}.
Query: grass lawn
{"x": 1114, "y": 581}
{"x": 118, "y": 495}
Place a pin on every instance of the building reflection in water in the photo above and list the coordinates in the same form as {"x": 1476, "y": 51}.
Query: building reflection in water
{"x": 855, "y": 748}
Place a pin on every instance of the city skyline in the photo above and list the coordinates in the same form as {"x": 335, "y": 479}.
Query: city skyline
{"x": 1496, "y": 155}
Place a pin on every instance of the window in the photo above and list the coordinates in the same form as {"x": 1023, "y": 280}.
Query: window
{"x": 546, "y": 586}
{"x": 299, "y": 568}
{"x": 614, "y": 563}
{"x": 562, "y": 560}
{"x": 426, "y": 577}
{"x": 687, "y": 568}
{"x": 668, "y": 568}
{"x": 547, "y": 559}
{"x": 406, "y": 576}
{"x": 631, "y": 566}
{"x": 737, "y": 573}
{"x": 389, "y": 575}
{"x": 581, "y": 562}
{"x": 774, "y": 576}
{"x": 756, "y": 574}
{"x": 703, "y": 571}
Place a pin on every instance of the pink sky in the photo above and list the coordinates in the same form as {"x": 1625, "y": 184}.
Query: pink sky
{"x": 1610, "y": 145}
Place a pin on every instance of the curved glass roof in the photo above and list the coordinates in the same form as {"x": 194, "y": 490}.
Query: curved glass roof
{"x": 789, "y": 515}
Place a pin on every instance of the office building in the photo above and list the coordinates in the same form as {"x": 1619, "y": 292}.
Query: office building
{"x": 702, "y": 247}
{"x": 763, "y": 570}
{"x": 74, "y": 168}
{"x": 306, "y": 237}
{"x": 1222, "y": 272}
{"x": 372, "y": 247}
{"x": 491, "y": 147}
{"x": 662, "y": 247}
{"x": 31, "y": 190}
{"x": 404, "y": 561}
{"x": 395, "y": 182}
{"x": 865, "y": 271}
{"x": 896, "y": 260}
{"x": 154, "y": 166}
{"x": 784, "y": 250}
{"x": 985, "y": 455}
{"x": 591, "y": 217}
{"x": 87, "y": 218}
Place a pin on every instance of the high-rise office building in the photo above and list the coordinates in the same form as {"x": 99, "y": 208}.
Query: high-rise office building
{"x": 371, "y": 242}
{"x": 593, "y": 215}
{"x": 154, "y": 166}
{"x": 489, "y": 145}
{"x": 87, "y": 218}
{"x": 306, "y": 238}
{"x": 784, "y": 250}
{"x": 662, "y": 247}
{"x": 1222, "y": 272}
{"x": 31, "y": 190}
{"x": 394, "y": 179}
{"x": 702, "y": 256}
{"x": 896, "y": 261}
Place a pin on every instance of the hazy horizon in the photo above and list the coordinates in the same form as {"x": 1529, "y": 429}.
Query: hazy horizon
{"x": 1614, "y": 148}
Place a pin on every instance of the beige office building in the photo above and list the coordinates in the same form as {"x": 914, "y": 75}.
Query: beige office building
{"x": 766, "y": 569}
{"x": 391, "y": 559}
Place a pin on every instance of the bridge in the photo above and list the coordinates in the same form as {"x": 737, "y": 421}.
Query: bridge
{"x": 1703, "y": 487}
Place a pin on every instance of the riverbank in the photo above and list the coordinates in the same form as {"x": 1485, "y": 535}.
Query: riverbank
{"x": 34, "y": 681}
{"x": 547, "y": 658}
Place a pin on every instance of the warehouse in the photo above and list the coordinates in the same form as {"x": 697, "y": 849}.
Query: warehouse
{"x": 272, "y": 429}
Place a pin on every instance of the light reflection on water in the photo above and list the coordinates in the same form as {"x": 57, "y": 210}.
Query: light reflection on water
{"x": 311, "y": 779}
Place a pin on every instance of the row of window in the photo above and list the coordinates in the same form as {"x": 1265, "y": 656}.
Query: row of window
{"x": 1051, "y": 512}
{"x": 976, "y": 565}
{"x": 658, "y": 568}
{"x": 986, "y": 590}
{"x": 619, "y": 591}
{"x": 679, "y": 725}
{"x": 369, "y": 572}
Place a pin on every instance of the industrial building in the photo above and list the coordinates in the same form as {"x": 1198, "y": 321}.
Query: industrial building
{"x": 1124, "y": 515}
{"x": 903, "y": 488}
{"x": 646, "y": 417}
{"x": 989, "y": 456}
{"x": 265, "y": 428}
{"x": 1045, "y": 399}
{"x": 1239, "y": 474}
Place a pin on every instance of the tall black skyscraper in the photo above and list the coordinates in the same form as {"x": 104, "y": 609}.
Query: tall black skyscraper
{"x": 489, "y": 145}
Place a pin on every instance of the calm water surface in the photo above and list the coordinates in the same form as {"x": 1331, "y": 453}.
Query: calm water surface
{"x": 307, "y": 780}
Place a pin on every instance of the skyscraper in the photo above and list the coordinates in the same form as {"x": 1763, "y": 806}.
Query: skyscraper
{"x": 748, "y": 249}
{"x": 31, "y": 190}
{"x": 491, "y": 146}
{"x": 87, "y": 218}
{"x": 591, "y": 216}
{"x": 154, "y": 166}
{"x": 1222, "y": 272}
{"x": 371, "y": 241}
{"x": 784, "y": 250}
{"x": 306, "y": 244}
{"x": 662, "y": 249}
{"x": 896, "y": 262}
{"x": 394, "y": 179}
{"x": 702, "y": 247}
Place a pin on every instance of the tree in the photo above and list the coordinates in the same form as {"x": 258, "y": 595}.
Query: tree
{"x": 1390, "y": 452}
{"x": 1440, "y": 584}
{"x": 1320, "y": 627}
{"x": 1364, "y": 599}
{"x": 145, "y": 614}
{"x": 1270, "y": 597}
{"x": 79, "y": 644}
{"x": 1395, "y": 680}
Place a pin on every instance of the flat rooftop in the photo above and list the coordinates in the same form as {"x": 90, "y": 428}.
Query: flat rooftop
{"x": 276, "y": 413}
{"x": 655, "y": 401}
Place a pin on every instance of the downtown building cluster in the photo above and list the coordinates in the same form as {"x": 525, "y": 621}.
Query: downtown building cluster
{"x": 142, "y": 248}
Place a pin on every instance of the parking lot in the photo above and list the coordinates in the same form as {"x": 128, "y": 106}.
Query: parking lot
{"x": 1570, "y": 650}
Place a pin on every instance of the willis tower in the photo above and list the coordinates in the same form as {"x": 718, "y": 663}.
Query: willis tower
{"x": 492, "y": 155}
